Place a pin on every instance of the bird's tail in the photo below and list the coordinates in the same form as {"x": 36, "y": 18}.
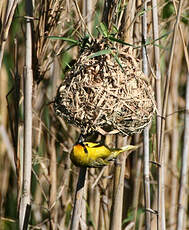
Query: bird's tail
{"x": 116, "y": 152}
{"x": 129, "y": 147}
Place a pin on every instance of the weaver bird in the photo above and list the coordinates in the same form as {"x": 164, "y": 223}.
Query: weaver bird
{"x": 90, "y": 154}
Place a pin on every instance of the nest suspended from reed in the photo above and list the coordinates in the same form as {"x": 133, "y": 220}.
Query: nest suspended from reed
{"x": 106, "y": 92}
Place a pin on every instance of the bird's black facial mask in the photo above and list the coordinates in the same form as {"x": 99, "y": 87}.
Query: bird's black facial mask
{"x": 80, "y": 142}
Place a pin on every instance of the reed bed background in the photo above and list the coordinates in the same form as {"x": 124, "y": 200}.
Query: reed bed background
{"x": 149, "y": 190}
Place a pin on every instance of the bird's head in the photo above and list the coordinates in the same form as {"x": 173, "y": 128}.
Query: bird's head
{"x": 80, "y": 140}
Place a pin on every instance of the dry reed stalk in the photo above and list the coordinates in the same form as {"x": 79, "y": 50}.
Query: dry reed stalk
{"x": 137, "y": 180}
{"x": 77, "y": 209}
{"x": 128, "y": 37}
{"x": 106, "y": 190}
{"x": 184, "y": 38}
{"x": 102, "y": 192}
{"x": 53, "y": 184}
{"x": 6, "y": 23}
{"x": 146, "y": 130}
{"x": 157, "y": 81}
{"x": 4, "y": 113}
{"x": 168, "y": 173}
{"x": 81, "y": 18}
{"x": 5, "y": 170}
{"x": 94, "y": 197}
{"x": 106, "y": 210}
{"x": 28, "y": 83}
{"x": 13, "y": 101}
{"x": 137, "y": 161}
{"x": 142, "y": 217}
{"x": 129, "y": 23}
{"x": 17, "y": 125}
{"x": 175, "y": 133}
{"x": 3, "y": 5}
{"x": 130, "y": 226}
{"x": 20, "y": 156}
{"x": 62, "y": 133}
{"x": 118, "y": 188}
{"x": 107, "y": 15}
{"x": 53, "y": 207}
{"x": 66, "y": 196}
{"x": 119, "y": 173}
{"x": 157, "y": 69}
{"x": 97, "y": 199}
{"x": 102, "y": 223}
{"x": 38, "y": 198}
{"x": 51, "y": 15}
{"x": 7, "y": 145}
{"x": 181, "y": 216}
{"x": 4, "y": 176}
{"x": 161, "y": 208}
{"x": 147, "y": 180}
{"x": 183, "y": 198}
{"x": 83, "y": 219}
{"x": 88, "y": 11}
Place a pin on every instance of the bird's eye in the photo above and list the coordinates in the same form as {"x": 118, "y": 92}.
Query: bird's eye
{"x": 87, "y": 144}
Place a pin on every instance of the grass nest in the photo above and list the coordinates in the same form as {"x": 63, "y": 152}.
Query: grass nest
{"x": 106, "y": 91}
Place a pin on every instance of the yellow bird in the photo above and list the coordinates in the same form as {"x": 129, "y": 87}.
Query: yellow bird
{"x": 89, "y": 154}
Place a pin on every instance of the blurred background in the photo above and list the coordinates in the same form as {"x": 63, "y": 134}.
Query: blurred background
{"x": 163, "y": 27}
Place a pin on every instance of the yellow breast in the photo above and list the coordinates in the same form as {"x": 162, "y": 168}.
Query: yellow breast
{"x": 89, "y": 153}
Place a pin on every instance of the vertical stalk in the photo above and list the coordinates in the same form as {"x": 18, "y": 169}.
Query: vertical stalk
{"x": 157, "y": 85}
{"x": 52, "y": 154}
{"x": 146, "y": 130}
{"x": 157, "y": 68}
{"x": 106, "y": 11}
{"x": 28, "y": 82}
{"x": 83, "y": 219}
{"x": 128, "y": 30}
{"x": 174, "y": 120}
{"x": 137, "y": 179}
{"x": 78, "y": 200}
{"x": 147, "y": 179}
{"x": 117, "y": 200}
{"x": 184, "y": 169}
{"x": 161, "y": 210}
{"x": 119, "y": 174}
{"x": 6, "y": 26}
{"x": 53, "y": 183}
{"x": 88, "y": 8}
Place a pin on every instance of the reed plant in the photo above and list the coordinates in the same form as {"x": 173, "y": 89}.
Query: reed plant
{"x": 40, "y": 187}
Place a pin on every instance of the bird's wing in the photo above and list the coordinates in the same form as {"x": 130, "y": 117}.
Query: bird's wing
{"x": 99, "y": 162}
{"x": 129, "y": 147}
{"x": 93, "y": 144}
{"x": 116, "y": 152}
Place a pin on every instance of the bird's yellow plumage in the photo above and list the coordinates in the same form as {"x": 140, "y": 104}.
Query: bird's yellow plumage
{"x": 89, "y": 154}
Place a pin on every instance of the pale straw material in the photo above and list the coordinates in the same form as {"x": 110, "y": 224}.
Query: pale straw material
{"x": 106, "y": 95}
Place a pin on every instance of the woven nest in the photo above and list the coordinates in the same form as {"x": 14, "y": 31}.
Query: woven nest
{"x": 106, "y": 92}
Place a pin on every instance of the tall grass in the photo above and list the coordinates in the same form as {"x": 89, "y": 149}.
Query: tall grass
{"x": 151, "y": 182}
